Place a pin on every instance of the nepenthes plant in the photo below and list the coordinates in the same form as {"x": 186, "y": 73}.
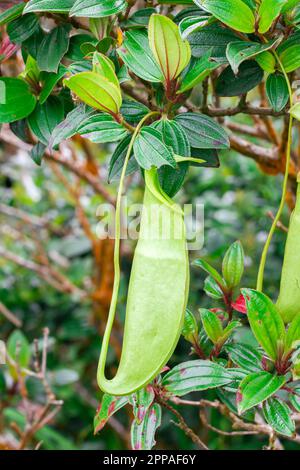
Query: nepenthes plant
{"x": 159, "y": 85}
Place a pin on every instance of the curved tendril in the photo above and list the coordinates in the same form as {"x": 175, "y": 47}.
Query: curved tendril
{"x": 261, "y": 270}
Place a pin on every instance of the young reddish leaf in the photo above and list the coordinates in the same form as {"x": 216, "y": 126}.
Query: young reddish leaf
{"x": 239, "y": 304}
{"x": 170, "y": 51}
{"x": 108, "y": 406}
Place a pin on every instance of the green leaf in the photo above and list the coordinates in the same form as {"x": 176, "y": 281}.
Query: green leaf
{"x": 18, "y": 349}
{"x": 171, "y": 179}
{"x": 245, "y": 356}
{"x": 266, "y": 61}
{"x": 200, "y": 263}
{"x": 133, "y": 111}
{"x": 234, "y": 13}
{"x": 149, "y": 149}
{"x": 213, "y": 37}
{"x": 199, "y": 69}
{"x": 49, "y": 81}
{"x": 211, "y": 324}
{"x": 170, "y": 51}
{"x": 96, "y": 9}
{"x": 45, "y": 118}
{"x": 97, "y": 93}
{"x": 229, "y": 330}
{"x": 277, "y": 91}
{"x": 290, "y": 58}
{"x": 239, "y": 51}
{"x": 278, "y": 415}
{"x": 195, "y": 376}
{"x": 212, "y": 289}
{"x": 143, "y": 434}
{"x": 249, "y": 76}
{"x": 137, "y": 55}
{"x": 268, "y": 12}
{"x": 294, "y": 398}
{"x": 139, "y": 18}
{"x": 190, "y": 326}
{"x": 37, "y": 152}
{"x": 117, "y": 161}
{"x": 256, "y": 388}
{"x": 295, "y": 111}
{"x": 109, "y": 405}
{"x": 22, "y": 28}
{"x": 69, "y": 126}
{"x": 11, "y": 13}
{"x": 16, "y": 101}
{"x": 233, "y": 265}
{"x": 192, "y": 24}
{"x": 105, "y": 67}
{"x": 293, "y": 334}
{"x": 265, "y": 321}
{"x": 102, "y": 128}
{"x": 54, "y": 6}
{"x": 53, "y": 48}
{"x": 202, "y": 131}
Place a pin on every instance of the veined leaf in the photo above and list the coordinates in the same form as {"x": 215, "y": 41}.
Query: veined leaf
{"x": 96, "y": 91}
{"x": 200, "y": 263}
{"x": 11, "y": 14}
{"x": 278, "y": 416}
{"x": 171, "y": 179}
{"x": 117, "y": 161}
{"x": 268, "y": 12}
{"x": 143, "y": 433}
{"x": 67, "y": 128}
{"x": 265, "y": 321}
{"x": 213, "y": 38}
{"x": 233, "y": 13}
{"x": 96, "y": 9}
{"x": 202, "y": 131}
{"x": 256, "y": 388}
{"x": 293, "y": 334}
{"x": 266, "y": 61}
{"x": 199, "y": 69}
{"x": 194, "y": 376}
{"x": 16, "y": 101}
{"x": 190, "y": 326}
{"x": 192, "y": 24}
{"x": 137, "y": 55}
{"x": 238, "y": 52}
{"x": 149, "y": 149}
{"x": 105, "y": 67}
{"x": 245, "y": 356}
{"x": 141, "y": 401}
{"x": 212, "y": 289}
{"x": 109, "y": 405}
{"x": 249, "y": 76}
{"x": 233, "y": 265}
{"x": 170, "y": 51}
{"x": 45, "y": 118}
{"x": 133, "y": 111}
{"x": 102, "y": 128}
{"x": 277, "y": 91}
{"x": 211, "y": 324}
{"x": 22, "y": 28}
{"x": 54, "y": 6}
{"x": 53, "y": 48}
{"x": 290, "y": 58}
{"x": 49, "y": 81}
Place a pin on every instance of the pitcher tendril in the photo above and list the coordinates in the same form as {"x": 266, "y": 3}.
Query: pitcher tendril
{"x": 261, "y": 270}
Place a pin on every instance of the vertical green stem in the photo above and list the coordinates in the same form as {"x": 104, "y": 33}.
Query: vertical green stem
{"x": 261, "y": 270}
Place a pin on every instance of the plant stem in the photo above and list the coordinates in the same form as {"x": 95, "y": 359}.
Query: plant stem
{"x": 261, "y": 270}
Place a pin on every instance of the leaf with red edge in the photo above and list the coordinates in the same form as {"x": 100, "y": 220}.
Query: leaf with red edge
{"x": 141, "y": 402}
{"x": 239, "y": 304}
{"x": 143, "y": 433}
{"x": 108, "y": 406}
